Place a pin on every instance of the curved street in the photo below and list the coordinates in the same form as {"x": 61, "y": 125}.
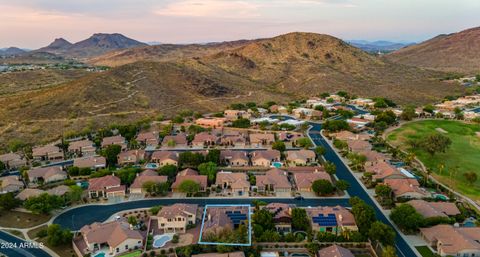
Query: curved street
{"x": 12, "y": 246}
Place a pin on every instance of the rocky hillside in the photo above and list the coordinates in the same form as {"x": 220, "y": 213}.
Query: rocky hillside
{"x": 457, "y": 52}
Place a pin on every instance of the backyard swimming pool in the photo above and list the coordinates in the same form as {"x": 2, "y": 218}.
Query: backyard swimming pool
{"x": 151, "y": 166}
{"x": 277, "y": 165}
{"x": 159, "y": 241}
{"x": 100, "y": 254}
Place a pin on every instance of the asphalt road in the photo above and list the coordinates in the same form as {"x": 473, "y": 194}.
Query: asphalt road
{"x": 76, "y": 218}
{"x": 403, "y": 249}
{"x": 14, "y": 247}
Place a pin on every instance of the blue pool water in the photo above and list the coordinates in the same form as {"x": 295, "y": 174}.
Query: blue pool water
{"x": 102, "y": 254}
{"x": 277, "y": 165}
{"x": 151, "y": 166}
{"x": 160, "y": 240}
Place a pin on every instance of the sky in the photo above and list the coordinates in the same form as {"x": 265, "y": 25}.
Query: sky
{"x": 35, "y": 23}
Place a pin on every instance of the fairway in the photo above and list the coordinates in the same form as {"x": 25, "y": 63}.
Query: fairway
{"x": 449, "y": 167}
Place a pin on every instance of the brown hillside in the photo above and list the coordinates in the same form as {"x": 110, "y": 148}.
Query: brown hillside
{"x": 457, "y": 52}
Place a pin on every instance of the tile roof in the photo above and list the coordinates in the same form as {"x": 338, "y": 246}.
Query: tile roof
{"x": 113, "y": 233}
{"x": 434, "y": 209}
{"x": 165, "y": 155}
{"x": 305, "y": 180}
{"x": 90, "y": 162}
{"x": 403, "y": 186}
{"x": 46, "y": 172}
{"x": 453, "y": 239}
{"x": 96, "y": 184}
{"x": 78, "y": 145}
{"x": 265, "y": 154}
{"x": 29, "y": 192}
{"x": 113, "y": 140}
{"x": 236, "y": 180}
{"x": 141, "y": 179}
{"x": 59, "y": 190}
{"x": 179, "y": 139}
{"x": 343, "y": 216}
{"x": 300, "y": 155}
{"x": 178, "y": 209}
{"x": 275, "y": 177}
{"x": 335, "y": 251}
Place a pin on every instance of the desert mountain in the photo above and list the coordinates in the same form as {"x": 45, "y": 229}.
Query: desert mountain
{"x": 97, "y": 44}
{"x": 457, "y": 52}
{"x": 11, "y": 51}
{"x": 291, "y": 66}
{"x": 378, "y": 46}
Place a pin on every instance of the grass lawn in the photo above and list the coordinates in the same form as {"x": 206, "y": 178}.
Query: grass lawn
{"x": 15, "y": 219}
{"x": 425, "y": 251}
{"x": 132, "y": 254}
{"x": 462, "y": 156}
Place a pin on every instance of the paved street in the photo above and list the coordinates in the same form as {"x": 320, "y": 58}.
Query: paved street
{"x": 11, "y": 246}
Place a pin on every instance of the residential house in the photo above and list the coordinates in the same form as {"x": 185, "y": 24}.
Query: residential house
{"x": 289, "y": 137}
{"x": 306, "y": 113}
{"x": 278, "y": 109}
{"x": 179, "y": 140}
{"x": 259, "y": 140}
{"x": 234, "y": 158}
{"x": 304, "y": 180}
{"x": 236, "y": 183}
{"x": 131, "y": 157}
{"x": 46, "y": 175}
{"x": 357, "y": 123}
{"x": 12, "y": 160}
{"x": 448, "y": 240}
{"x": 305, "y": 169}
{"x": 358, "y": 145}
{"x": 47, "y": 153}
{"x": 82, "y": 148}
{"x": 115, "y": 237}
{"x": 233, "y": 139}
{"x": 11, "y": 184}
{"x": 217, "y": 219}
{"x": 406, "y": 188}
{"x": 115, "y": 140}
{"x": 29, "y": 193}
{"x": 165, "y": 158}
{"x": 363, "y": 102}
{"x": 232, "y": 115}
{"x": 282, "y": 216}
{"x": 108, "y": 186}
{"x": 335, "y": 251}
{"x": 204, "y": 139}
{"x": 231, "y": 254}
{"x": 300, "y": 157}
{"x": 91, "y": 162}
{"x": 346, "y": 135}
{"x": 334, "y": 219}
{"x": 189, "y": 174}
{"x": 60, "y": 190}
{"x": 434, "y": 209}
{"x": 382, "y": 171}
{"x": 210, "y": 122}
{"x": 177, "y": 217}
{"x": 149, "y": 138}
{"x": 274, "y": 180}
{"x": 146, "y": 176}
{"x": 373, "y": 157}
{"x": 265, "y": 158}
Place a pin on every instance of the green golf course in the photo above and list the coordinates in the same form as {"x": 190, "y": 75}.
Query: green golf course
{"x": 462, "y": 156}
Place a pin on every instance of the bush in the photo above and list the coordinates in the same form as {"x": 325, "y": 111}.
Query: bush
{"x": 42, "y": 233}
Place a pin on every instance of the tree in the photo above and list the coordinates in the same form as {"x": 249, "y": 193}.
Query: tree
{"x": 389, "y": 251}
{"x": 74, "y": 195}
{"x": 154, "y": 188}
{"x": 111, "y": 153}
{"x": 364, "y": 214}
{"x": 471, "y": 177}
{"x": 189, "y": 187}
{"x": 383, "y": 191}
{"x": 382, "y": 233}
{"x": 213, "y": 155}
{"x": 209, "y": 169}
{"x": 406, "y": 218}
{"x": 132, "y": 220}
{"x": 264, "y": 218}
{"x": 279, "y": 145}
{"x": 304, "y": 142}
{"x": 429, "y": 108}
{"x": 241, "y": 123}
{"x": 2, "y": 166}
{"x": 342, "y": 185}
{"x": 408, "y": 113}
{"x": 358, "y": 160}
{"x": 458, "y": 113}
{"x": 322, "y": 187}
{"x": 57, "y": 236}
{"x": 320, "y": 151}
{"x": 43, "y": 204}
{"x": 300, "y": 220}
{"x": 335, "y": 125}
{"x": 8, "y": 201}
{"x": 388, "y": 117}
{"x": 340, "y": 144}
{"x": 435, "y": 143}
{"x": 168, "y": 170}
{"x": 190, "y": 159}
{"x": 330, "y": 167}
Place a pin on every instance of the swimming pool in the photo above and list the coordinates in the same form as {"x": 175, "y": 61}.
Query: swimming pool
{"x": 159, "y": 241}
{"x": 151, "y": 166}
{"x": 277, "y": 165}
{"x": 100, "y": 254}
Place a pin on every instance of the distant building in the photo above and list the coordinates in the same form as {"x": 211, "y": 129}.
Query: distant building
{"x": 448, "y": 240}
{"x": 236, "y": 183}
{"x": 282, "y": 216}
{"x": 131, "y": 157}
{"x": 335, "y": 251}
{"x": 82, "y": 148}
{"x": 165, "y": 158}
{"x": 47, "y": 153}
{"x": 115, "y": 140}
{"x": 210, "y": 122}
{"x": 146, "y": 176}
{"x": 91, "y": 162}
{"x": 177, "y": 217}
{"x": 108, "y": 186}
{"x": 274, "y": 180}
{"x": 46, "y": 175}
{"x": 265, "y": 157}
{"x": 12, "y": 160}
{"x": 434, "y": 209}
{"x": 331, "y": 219}
{"x": 11, "y": 184}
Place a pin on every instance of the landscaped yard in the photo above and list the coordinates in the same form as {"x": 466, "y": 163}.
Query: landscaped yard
{"x": 425, "y": 251}
{"x": 16, "y": 219}
{"x": 449, "y": 167}
{"x": 132, "y": 254}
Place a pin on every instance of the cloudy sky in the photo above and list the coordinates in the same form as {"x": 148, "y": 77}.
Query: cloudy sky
{"x": 35, "y": 23}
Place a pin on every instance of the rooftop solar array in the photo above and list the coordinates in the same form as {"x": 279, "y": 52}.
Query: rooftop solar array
{"x": 326, "y": 221}
{"x": 236, "y": 216}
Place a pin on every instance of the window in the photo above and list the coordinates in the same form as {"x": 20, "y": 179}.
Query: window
{"x": 118, "y": 250}
{"x": 126, "y": 247}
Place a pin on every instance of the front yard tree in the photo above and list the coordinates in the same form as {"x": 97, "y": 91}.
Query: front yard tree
{"x": 304, "y": 142}
{"x": 384, "y": 192}
{"x": 168, "y": 170}
{"x": 189, "y": 187}
{"x": 389, "y": 251}
{"x": 436, "y": 143}
{"x": 209, "y": 169}
{"x": 213, "y": 155}
{"x": 279, "y": 145}
{"x": 300, "y": 220}
{"x": 406, "y": 218}
{"x": 8, "y": 201}
{"x": 382, "y": 233}
{"x": 364, "y": 214}
{"x": 330, "y": 168}
{"x": 265, "y": 219}
{"x": 342, "y": 185}
{"x": 57, "y": 236}
{"x": 43, "y": 204}
{"x": 241, "y": 123}
{"x": 320, "y": 151}
{"x": 322, "y": 187}
{"x": 408, "y": 113}
{"x": 111, "y": 153}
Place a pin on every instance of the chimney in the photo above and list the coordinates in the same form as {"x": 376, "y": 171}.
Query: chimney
{"x": 340, "y": 217}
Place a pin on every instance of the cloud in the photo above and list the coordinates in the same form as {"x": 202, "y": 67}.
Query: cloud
{"x": 210, "y": 8}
